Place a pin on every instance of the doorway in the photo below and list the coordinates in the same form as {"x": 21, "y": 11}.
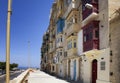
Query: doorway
{"x": 74, "y": 78}
{"x": 94, "y": 71}
{"x": 69, "y": 68}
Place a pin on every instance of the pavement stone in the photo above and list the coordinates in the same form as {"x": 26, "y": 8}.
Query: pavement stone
{"x": 41, "y": 77}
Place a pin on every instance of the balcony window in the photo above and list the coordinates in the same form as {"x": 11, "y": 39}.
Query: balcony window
{"x": 74, "y": 43}
{"x": 53, "y": 68}
{"x": 88, "y": 35}
{"x": 69, "y": 46}
{"x": 42, "y": 55}
{"x": 70, "y": 21}
{"x": 69, "y": 1}
{"x": 61, "y": 38}
{"x": 60, "y": 53}
{"x": 96, "y": 34}
{"x": 75, "y": 20}
{"x": 91, "y": 36}
{"x": 58, "y": 58}
{"x": 65, "y": 54}
{"x": 85, "y": 38}
{"x": 60, "y": 25}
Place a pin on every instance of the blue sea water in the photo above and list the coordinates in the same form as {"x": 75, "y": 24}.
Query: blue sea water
{"x": 23, "y": 68}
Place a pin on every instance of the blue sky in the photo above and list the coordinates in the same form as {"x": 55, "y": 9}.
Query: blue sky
{"x": 29, "y": 21}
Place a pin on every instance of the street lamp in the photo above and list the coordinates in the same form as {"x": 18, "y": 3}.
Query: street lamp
{"x": 8, "y": 43}
{"x": 28, "y": 54}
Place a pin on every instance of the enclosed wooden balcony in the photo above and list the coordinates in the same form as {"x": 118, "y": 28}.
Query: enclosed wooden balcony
{"x": 90, "y": 18}
{"x": 59, "y": 40}
{"x": 59, "y": 8}
{"x": 72, "y": 46}
{"x": 72, "y": 28}
{"x": 59, "y": 45}
{"x": 72, "y": 6}
{"x": 72, "y": 52}
{"x": 50, "y": 48}
{"x": 89, "y": 12}
{"x": 91, "y": 36}
{"x": 53, "y": 48}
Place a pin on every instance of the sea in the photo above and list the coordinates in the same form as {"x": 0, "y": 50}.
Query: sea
{"x": 23, "y": 68}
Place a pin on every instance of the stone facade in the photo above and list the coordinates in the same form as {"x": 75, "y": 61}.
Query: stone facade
{"x": 82, "y": 41}
{"x": 115, "y": 49}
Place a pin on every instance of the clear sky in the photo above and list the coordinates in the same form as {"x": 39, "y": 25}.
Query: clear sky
{"x": 29, "y": 21}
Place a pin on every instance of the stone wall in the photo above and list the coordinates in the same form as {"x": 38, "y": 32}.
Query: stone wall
{"x": 115, "y": 50}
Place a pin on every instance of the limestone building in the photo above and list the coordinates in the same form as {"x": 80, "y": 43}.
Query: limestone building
{"x": 82, "y": 41}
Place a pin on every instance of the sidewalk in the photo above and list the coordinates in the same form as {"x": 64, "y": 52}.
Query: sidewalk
{"x": 41, "y": 77}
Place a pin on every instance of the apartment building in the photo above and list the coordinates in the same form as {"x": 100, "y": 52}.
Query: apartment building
{"x": 82, "y": 41}
{"x": 95, "y": 28}
{"x": 44, "y": 52}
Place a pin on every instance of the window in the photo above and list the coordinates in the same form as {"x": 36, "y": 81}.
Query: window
{"x": 90, "y": 35}
{"x": 53, "y": 68}
{"x": 74, "y": 44}
{"x": 58, "y": 58}
{"x": 57, "y": 53}
{"x": 57, "y": 40}
{"x": 65, "y": 54}
{"x": 87, "y": 37}
{"x": 75, "y": 20}
{"x": 61, "y": 38}
{"x": 102, "y": 65}
{"x": 69, "y": 45}
{"x": 84, "y": 38}
{"x": 60, "y": 52}
{"x": 96, "y": 34}
{"x": 60, "y": 25}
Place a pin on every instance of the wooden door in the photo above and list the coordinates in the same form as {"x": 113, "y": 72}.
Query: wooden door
{"x": 74, "y": 73}
{"x": 94, "y": 71}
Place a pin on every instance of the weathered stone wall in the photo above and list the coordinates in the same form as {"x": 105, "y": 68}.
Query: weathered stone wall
{"x": 104, "y": 24}
{"x": 115, "y": 50}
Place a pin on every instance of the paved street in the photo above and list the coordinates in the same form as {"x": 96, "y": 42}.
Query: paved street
{"x": 41, "y": 77}
{"x": 13, "y": 75}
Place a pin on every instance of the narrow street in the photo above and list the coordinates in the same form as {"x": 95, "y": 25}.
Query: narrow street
{"x": 13, "y": 75}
